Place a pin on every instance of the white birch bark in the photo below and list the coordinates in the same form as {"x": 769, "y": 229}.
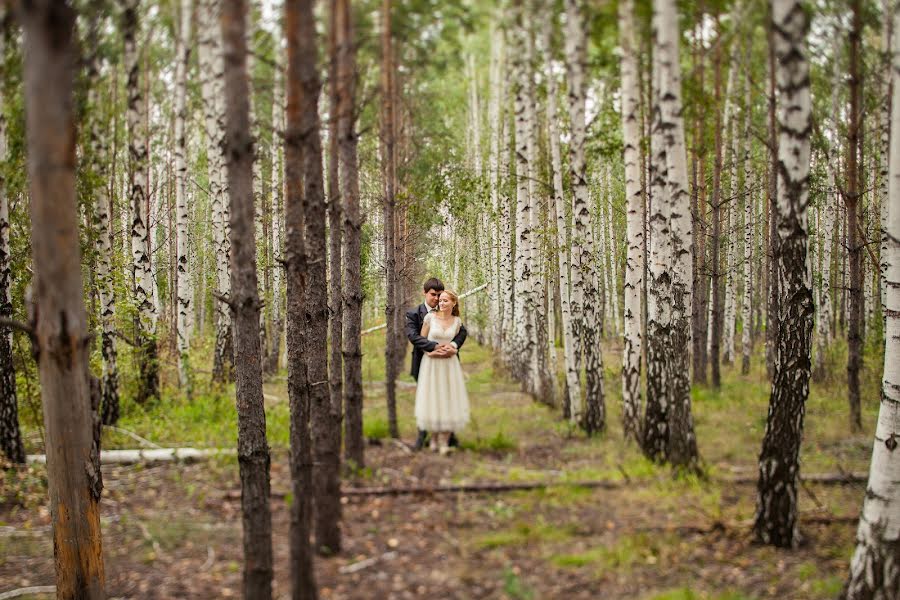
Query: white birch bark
{"x": 634, "y": 202}
{"x": 732, "y": 161}
{"x": 776, "y": 510}
{"x": 507, "y": 230}
{"x": 670, "y": 434}
{"x": 584, "y": 277}
{"x": 875, "y": 566}
{"x": 601, "y": 242}
{"x": 494, "y": 132}
{"x": 212, "y": 90}
{"x": 611, "y": 250}
{"x": 142, "y": 274}
{"x": 747, "y": 195}
{"x": 277, "y": 220}
{"x": 573, "y": 382}
{"x": 185, "y": 288}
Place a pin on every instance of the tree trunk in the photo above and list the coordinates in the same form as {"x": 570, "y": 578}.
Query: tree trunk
{"x": 335, "y": 218}
{"x": 584, "y": 277}
{"x": 184, "y": 285}
{"x": 747, "y": 196}
{"x": 325, "y": 420}
{"x": 10, "y": 436}
{"x": 852, "y": 198}
{"x": 253, "y": 449}
{"x": 772, "y": 239}
{"x": 875, "y": 566}
{"x": 142, "y": 274}
{"x": 296, "y": 263}
{"x": 61, "y": 336}
{"x": 776, "y": 510}
{"x": 669, "y": 303}
{"x": 573, "y": 382}
{"x": 352, "y": 280}
{"x": 388, "y": 128}
{"x": 211, "y": 66}
{"x": 274, "y": 361}
{"x": 634, "y": 261}
{"x": 715, "y": 262}
{"x": 698, "y": 172}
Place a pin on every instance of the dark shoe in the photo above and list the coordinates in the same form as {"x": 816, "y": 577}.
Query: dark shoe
{"x": 420, "y": 440}
{"x": 453, "y": 442}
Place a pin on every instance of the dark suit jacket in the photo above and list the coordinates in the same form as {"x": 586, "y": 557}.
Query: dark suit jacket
{"x": 421, "y": 345}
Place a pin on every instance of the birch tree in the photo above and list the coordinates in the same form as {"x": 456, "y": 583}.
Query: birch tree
{"x": 10, "y": 435}
{"x": 776, "y": 509}
{"x": 573, "y": 379}
{"x": 875, "y": 566}
{"x": 184, "y": 285}
{"x": 584, "y": 276}
{"x": 634, "y": 260}
{"x": 59, "y": 321}
{"x": 211, "y": 66}
{"x": 142, "y": 273}
{"x": 669, "y": 434}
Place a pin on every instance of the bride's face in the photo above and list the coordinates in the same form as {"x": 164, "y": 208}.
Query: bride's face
{"x": 445, "y": 303}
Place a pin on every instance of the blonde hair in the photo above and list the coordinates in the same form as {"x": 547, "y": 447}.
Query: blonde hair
{"x": 453, "y": 296}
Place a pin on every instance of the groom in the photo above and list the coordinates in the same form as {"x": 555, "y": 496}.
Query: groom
{"x": 414, "y": 319}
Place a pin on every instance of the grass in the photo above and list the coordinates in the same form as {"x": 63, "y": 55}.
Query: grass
{"x": 622, "y": 556}
{"x": 524, "y": 533}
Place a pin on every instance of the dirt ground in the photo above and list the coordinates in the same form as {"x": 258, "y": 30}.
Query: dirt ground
{"x": 173, "y": 530}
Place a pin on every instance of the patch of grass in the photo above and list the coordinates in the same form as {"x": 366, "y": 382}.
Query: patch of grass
{"x": 827, "y": 587}
{"x": 376, "y": 428}
{"x": 525, "y": 533}
{"x": 689, "y": 594}
{"x": 627, "y": 552}
{"x": 514, "y": 587}
{"x": 499, "y": 442}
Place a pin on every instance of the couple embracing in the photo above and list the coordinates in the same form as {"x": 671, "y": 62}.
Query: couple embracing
{"x": 437, "y": 333}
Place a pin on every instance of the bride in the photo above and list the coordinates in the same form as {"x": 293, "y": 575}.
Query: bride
{"x": 442, "y": 404}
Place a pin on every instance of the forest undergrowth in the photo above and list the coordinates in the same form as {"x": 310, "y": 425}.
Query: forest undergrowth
{"x": 173, "y": 530}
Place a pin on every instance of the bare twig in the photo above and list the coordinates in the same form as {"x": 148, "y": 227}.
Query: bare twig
{"x": 28, "y": 591}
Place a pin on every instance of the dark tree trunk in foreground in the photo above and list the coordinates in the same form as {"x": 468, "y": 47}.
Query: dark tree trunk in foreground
{"x": 61, "y": 336}
{"x": 852, "y": 201}
{"x": 325, "y": 422}
{"x": 301, "y": 559}
{"x": 10, "y": 437}
{"x": 776, "y": 510}
{"x": 352, "y": 281}
{"x": 390, "y": 224}
{"x": 253, "y": 449}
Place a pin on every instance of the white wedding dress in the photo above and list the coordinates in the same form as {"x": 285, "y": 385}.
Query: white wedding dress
{"x": 442, "y": 403}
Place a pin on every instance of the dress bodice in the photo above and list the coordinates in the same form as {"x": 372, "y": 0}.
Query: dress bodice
{"x": 438, "y": 332}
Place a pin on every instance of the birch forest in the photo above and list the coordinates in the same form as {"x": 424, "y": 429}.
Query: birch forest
{"x": 668, "y": 233}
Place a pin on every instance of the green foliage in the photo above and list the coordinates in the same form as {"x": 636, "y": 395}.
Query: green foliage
{"x": 514, "y": 587}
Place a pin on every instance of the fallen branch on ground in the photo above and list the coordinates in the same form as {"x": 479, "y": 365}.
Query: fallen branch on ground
{"x": 124, "y": 457}
{"x": 28, "y": 591}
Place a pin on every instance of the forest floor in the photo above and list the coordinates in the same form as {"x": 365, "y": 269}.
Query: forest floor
{"x": 174, "y": 530}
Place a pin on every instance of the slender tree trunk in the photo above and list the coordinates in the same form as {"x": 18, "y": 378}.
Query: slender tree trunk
{"x": 389, "y": 221}
{"x": 184, "y": 286}
{"x": 875, "y": 566}
{"x": 352, "y": 280}
{"x": 852, "y": 198}
{"x": 669, "y": 304}
{"x": 584, "y": 276}
{"x": 274, "y": 362}
{"x": 715, "y": 322}
{"x": 325, "y": 420}
{"x": 776, "y": 510}
{"x": 253, "y": 449}
{"x": 634, "y": 262}
{"x": 142, "y": 274}
{"x": 211, "y": 66}
{"x": 61, "y": 336}
{"x": 10, "y": 436}
{"x": 772, "y": 239}
{"x": 699, "y": 298}
{"x": 573, "y": 382}
{"x": 335, "y": 219}
{"x": 747, "y": 196}
{"x": 296, "y": 262}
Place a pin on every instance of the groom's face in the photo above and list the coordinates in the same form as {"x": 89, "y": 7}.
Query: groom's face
{"x": 431, "y": 298}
